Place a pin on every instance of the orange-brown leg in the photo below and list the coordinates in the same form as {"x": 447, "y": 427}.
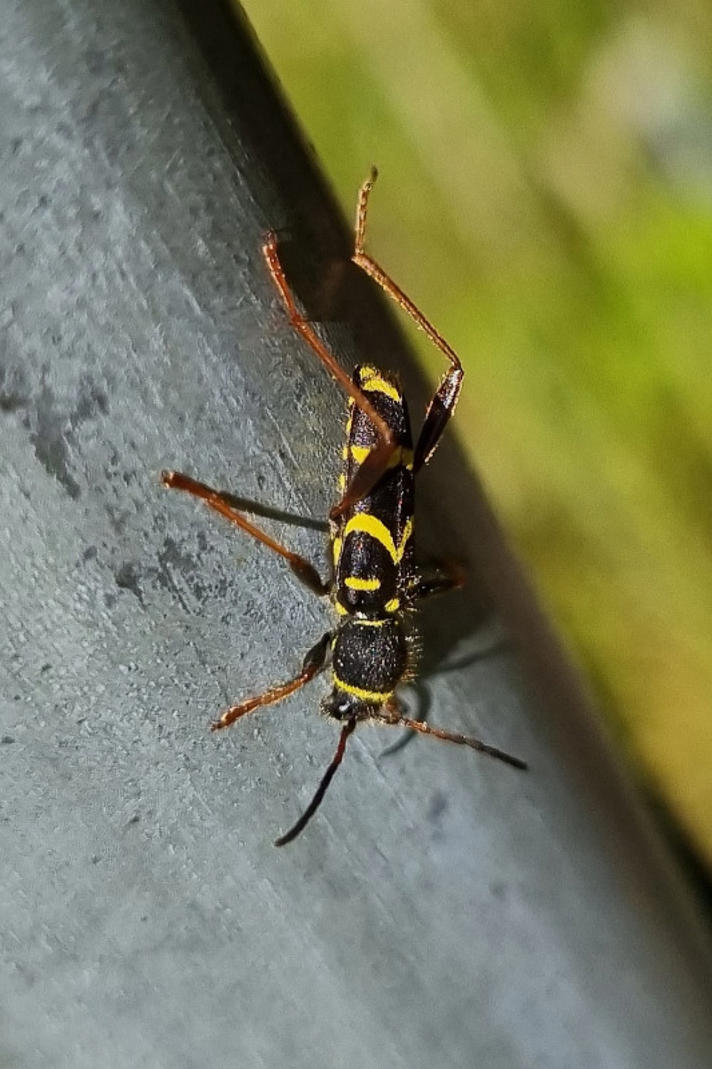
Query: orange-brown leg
{"x": 445, "y": 398}
{"x": 313, "y": 663}
{"x": 375, "y": 463}
{"x": 176, "y": 480}
{"x": 394, "y": 718}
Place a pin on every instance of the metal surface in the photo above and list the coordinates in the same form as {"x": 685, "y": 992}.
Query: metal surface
{"x": 441, "y": 910}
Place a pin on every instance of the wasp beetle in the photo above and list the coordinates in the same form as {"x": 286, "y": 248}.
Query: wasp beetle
{"x": 375, "y": 582}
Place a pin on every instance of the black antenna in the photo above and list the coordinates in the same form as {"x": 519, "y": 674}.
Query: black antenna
{"x": 321, "y": 789}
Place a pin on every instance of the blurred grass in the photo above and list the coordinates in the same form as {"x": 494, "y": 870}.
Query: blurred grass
{"x": 546, "y": 196}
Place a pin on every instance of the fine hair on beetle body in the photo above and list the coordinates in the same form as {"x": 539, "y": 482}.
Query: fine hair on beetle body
{"x": 375, "y": 584}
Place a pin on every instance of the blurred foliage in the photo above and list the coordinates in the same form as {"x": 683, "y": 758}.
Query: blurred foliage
{"x": 547, "y": 197}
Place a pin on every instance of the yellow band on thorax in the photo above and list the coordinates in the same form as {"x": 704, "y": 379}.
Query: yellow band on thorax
{"x": 355, "y": 582}
{"x": 375, "y": 696}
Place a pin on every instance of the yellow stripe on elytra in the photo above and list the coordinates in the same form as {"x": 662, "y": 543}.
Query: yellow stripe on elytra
{"x": 341, "y": 610}
{"x": 376, "y": 384}
{"x": 354, "y": 582}
{"x": 359, "y": 692}
{"x": 359, "y": 452}
{"x": 336, "y": 548}
{"x": 371, "y": 525}
{"x": 397, "y": 457}
{"x": 370, "y": 623}
{"x": 393, "y": 605}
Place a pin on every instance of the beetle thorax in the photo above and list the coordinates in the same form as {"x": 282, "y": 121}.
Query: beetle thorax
{"x": 369, "y": 658}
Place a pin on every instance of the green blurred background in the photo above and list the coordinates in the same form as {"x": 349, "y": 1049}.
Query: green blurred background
{"x": 546, "y": 197}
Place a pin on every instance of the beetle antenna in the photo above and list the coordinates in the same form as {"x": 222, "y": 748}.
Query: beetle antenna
{"x": 321, "y": 790}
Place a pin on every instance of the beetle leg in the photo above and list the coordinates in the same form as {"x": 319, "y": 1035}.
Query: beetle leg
{"x": 313, "y": 664}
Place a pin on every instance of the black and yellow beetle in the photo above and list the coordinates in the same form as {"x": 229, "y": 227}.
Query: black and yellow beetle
{"x": 375, "y": 578}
